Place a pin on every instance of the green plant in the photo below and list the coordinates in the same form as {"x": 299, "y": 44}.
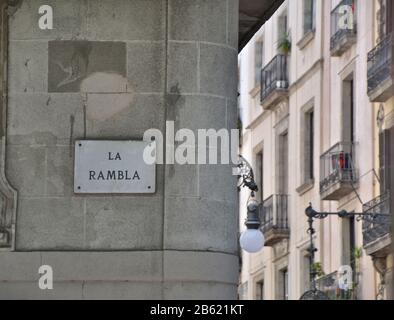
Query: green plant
{"x": 318, "y": 269}
{"x": 284, "y": 44}
{"x": 358, "y": 252}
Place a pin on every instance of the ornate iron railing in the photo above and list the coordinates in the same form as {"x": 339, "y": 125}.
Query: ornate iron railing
{"x": 339, "y": 29}
{"x": 380, "y": 226}
{"x": 274, "y": 76}
{"x": 329, "y": 284}
{"x": 337, "y": 165}
{"x": 379, "y": 63}
{"x": 274, "y": 214}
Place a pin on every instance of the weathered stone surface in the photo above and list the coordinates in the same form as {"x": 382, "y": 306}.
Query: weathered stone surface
{"x": 18, "y": 266}
{"x": 208, "y": 267}
{"x": 127, "y": 20}
{"x": 28, "y": 65}
{"x": 105, "y": 266}
{"x": 25, "y": 168}
{"x": 182, "y": 180}
{"x": 233, "y": 22}
{"x": 124, "y": 223}
{"x": 60, "y": 171}
{"x": 71, "y": 62}
{"x": 183, "y": 67}
{"x": 218, "y": 70}
{"x": 119, "y": 92}
{"x": 30, "y": 290}
{"x": 69, "y": 20}
{"x": 50, "y": 223}
{"x": 197, "y": 112}
{"x": 232, "y": 115}
{"x": 211, "y": 175}
{"x": 199, "y": 291}
{"x": 103, "y": 82}
{"x": 123, "y": 290}
{"x": 45, "y": 118}
{"x": 123, "y": 121}
{"x": 145, "y": 67}
{"x": 197, "y": 224}
{"x": 196, "y": 20}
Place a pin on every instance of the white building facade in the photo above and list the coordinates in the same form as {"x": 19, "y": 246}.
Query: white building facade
{"x": 309, "y": 131}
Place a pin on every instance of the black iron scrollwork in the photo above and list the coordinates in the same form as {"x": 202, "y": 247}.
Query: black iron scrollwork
{"x": 246, "y": 175}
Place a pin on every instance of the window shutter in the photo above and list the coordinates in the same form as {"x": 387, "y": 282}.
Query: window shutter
{"x": 389, "y": 16}
{"x": 384, "y": 160}
{"x": 390, "y": 160}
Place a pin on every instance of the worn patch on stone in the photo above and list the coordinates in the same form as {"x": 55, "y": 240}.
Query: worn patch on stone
{"x": 70, "y": 62}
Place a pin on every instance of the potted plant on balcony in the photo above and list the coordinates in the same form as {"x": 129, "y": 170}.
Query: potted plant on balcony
{"x": 284, "y": 44}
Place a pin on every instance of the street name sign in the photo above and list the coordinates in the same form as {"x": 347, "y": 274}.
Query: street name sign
{"x": 113, "y": 167}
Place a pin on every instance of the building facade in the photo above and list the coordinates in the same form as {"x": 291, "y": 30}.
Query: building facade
{"x": 316, "y": 107}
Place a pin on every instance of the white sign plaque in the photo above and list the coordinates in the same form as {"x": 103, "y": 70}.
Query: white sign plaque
{"x": 113, "y": 167}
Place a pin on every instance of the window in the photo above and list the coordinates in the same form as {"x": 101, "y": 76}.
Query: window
{"x": 259, "y": 175}
{"x": 260, "y": 290}
{"x": 348, "y": 242}
{"x": 243, "y": 291}
{"x": 309, "y": 123}
{"x": 309, "y": 16}
{"x": 285, "y": 275}
{"x": 283, "y": 285}
{"x": 305, "y": 272}
{"x": 385, "y": 18}
{"x": 348, "y": 128}
{"x": 283, "y": 164}
{"x": 282, "y": 27}
{"x": 384, "y": 160}
{"x": 259, "y": 61}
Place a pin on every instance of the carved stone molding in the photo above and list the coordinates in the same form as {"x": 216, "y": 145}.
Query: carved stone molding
{"x": 8, "y": 196}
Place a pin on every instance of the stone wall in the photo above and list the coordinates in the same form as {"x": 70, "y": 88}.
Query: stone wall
{"x": 111, "y": 69}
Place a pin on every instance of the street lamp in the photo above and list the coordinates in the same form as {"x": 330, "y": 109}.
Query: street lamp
{"x": 314, "y": 293}
{"x": 252, "y": 240}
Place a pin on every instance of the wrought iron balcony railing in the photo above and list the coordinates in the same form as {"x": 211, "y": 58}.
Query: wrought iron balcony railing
{"x": 343, "y": 31}
{"x": 380, "y": 64}
{"x": 329, "y": 284}
{"x": 274, "y": 79}
{"x": 379, "y": 227}
{"x": 338, "y": 173}
{"x": 274, "y": 219}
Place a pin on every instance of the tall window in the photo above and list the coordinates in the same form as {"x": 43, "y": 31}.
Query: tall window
{"x": 259, "y": 61}
{"x": 283, "y": 285}
{"x": 282, "y": 27}
{"x": 259, "y": 174}
{"x": 309, "y": 151}
{"x": 309, "y": 15}
{"x": 385, "y": 18}
{"x": 384, "y": 159}
{"x": 260, "y": 290}
{"x": 348, "y": 128}
{"x": 348, "y": 242}
{"x": 285, "y": 275}
{"x": 283, "y": 163}
{"x": 305, "y": 272}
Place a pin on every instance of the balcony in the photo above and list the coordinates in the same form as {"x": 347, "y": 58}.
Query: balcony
{"x": 329, "y": 284}
{"x": 343, "y": 35}
{"x": 376, "y": 233}
{"x": 274, "y": 220}
{"x": 380, "y": 71}
{"x": 274, "y": 82}
{"x": 338, "y": 173}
